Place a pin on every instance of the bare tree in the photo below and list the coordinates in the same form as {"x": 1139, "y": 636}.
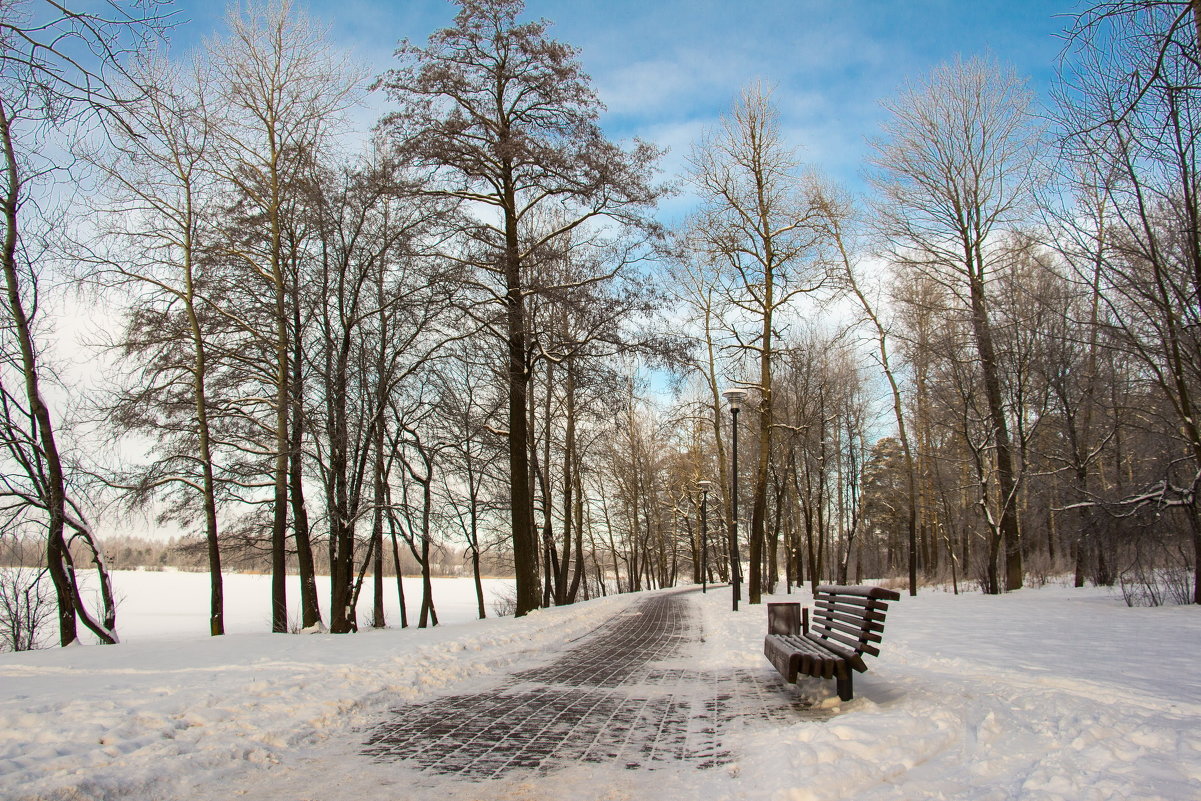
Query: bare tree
{"x": 55, "y": 69}
{"x": 836, "y": 212}
{"x": 1080, "y": 233}
{"x": 26, "y": 604}
{"x": 758, "y": 223}
{"x": 281, "y": 91}
{"x": 1130, "y": 115}
{"x": 699, "y": 297}
{"x": 954, "y": 169}
{"x": 156, "y": 217}
{"x": 585, "y": 316}
{"x": 504, "y": 117}
{"x": 470, "y": 396}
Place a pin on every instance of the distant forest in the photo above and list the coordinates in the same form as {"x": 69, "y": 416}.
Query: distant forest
{"x": 466, "y": 339}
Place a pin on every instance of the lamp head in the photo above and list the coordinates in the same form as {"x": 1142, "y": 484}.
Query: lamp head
{"x": 735, "y": 397}
{"x": 705, "y": 485}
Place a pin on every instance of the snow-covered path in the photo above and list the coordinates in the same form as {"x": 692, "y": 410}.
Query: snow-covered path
{"x": 1052, "y": 694}
{"x": 612, "y": 698}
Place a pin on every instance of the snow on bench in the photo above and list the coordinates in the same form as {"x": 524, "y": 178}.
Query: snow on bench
{"x": 848, "y": 622}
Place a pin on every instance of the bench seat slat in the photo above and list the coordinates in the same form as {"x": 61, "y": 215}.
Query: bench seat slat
{"x": 791, "y": 655}
{"x": 780, "y": 656}
{"x": 803, "y": 643}
{"x": 851, "y": 643}
{"x": 841, "y": 653}
{"x": 811, "y": 646}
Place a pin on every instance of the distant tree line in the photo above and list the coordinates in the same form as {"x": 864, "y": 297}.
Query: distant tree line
{"x": 458, "y": 335}
{"x": 188, "y": 554}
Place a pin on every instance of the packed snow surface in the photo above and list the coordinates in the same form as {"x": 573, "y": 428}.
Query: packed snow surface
{"x": 1052, "y": 693}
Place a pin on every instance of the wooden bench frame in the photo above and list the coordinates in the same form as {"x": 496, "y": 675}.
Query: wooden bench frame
{"x": 848, "y": 622}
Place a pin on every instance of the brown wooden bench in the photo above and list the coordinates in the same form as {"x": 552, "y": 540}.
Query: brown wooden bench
{"x": 848, "y": 622}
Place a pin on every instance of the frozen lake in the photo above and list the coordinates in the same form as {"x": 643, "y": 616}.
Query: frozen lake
{"x": 169, "y": 604}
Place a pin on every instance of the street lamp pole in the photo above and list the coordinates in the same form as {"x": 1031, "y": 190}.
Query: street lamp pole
{"x": 704, "y": 485}
{"x": 735, "y": 397}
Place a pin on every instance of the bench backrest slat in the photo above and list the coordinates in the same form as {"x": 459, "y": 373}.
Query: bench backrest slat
{"x": 872, "y": 610}
{"x": 852, "y": 642}
{"x": 851, "y": 600}
{"x": 855, "y": 630}
{"x": 853, "y": 617}
{"x": 856, "y": 633}
{"x": 871, "y": 620}
{"x": 861, "y": 591}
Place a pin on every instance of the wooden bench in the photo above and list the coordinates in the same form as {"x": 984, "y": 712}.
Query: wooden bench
{"x": 848, "y": 622}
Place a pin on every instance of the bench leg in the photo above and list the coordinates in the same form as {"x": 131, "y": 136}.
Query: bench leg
{"x": 846, "y": 689}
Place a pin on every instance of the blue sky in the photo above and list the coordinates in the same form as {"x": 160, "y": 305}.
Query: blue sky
{"x": 667, "y": 69}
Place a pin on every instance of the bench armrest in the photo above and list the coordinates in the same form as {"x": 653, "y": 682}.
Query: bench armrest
{"x": 787, "y": 618}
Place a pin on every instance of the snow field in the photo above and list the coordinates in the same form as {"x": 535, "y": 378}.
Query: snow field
{"x": 1041, "y": 695}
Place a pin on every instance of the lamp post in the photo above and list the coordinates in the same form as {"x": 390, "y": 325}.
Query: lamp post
{"x": 704, "y": 485}
{"x": 735, "y": 397}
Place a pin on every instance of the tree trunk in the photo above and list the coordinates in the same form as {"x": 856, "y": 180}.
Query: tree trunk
{"x": 1006, "y": 483}
{"x": 279, "y": 521}
{"x": 377, "y": 533}
{"x": 310, "y": 609}
{"x": 562, "y": 591}
{"x": 55, "y": 484}
{"x": 475, "y": 574}
{"x": 759, "y": 503}
{"x": 400, "y": 587}
{"x": 525, "y": 545}
{"x": 580, "y": 566}
{"x": 429, "y": 615}
{"x": 203, "y": 434}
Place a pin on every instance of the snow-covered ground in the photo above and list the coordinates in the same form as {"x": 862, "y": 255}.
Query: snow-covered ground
{"x": 1044, "y": 694}
{"x": 1054, "y": 693}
